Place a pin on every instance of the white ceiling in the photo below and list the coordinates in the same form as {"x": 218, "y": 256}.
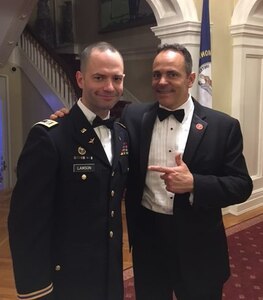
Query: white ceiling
{"x": 14, "y": 15}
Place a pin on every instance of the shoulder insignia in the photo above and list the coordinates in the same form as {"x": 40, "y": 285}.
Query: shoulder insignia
{"x": 121, "y": 124}
{"x": 47, "y": 123}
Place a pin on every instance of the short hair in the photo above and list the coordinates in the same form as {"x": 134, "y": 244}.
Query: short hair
{"x": 100, "y": 46}
{"x": 183, "y": 50}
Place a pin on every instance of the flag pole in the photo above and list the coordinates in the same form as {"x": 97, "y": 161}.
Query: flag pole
{"x": 205, "y": 61}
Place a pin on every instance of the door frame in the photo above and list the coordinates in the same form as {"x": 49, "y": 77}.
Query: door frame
{"x": 4, "y": 96}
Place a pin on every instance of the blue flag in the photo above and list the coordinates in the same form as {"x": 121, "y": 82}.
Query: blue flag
{"x": 205, "y": 73}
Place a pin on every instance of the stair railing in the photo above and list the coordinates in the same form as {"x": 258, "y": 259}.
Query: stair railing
{"x": 50, "y": 66}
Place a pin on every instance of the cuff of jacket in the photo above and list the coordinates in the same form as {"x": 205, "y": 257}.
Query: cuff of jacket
{"x": 36, "y": 294}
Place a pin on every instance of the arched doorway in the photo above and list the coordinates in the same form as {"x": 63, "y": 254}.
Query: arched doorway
{"x": 177, "y": 21}
{"x": 4, "y": 140}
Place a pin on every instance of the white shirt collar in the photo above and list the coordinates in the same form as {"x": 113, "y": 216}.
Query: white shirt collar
{"x": 88, "y": 113}
{"x": 188, "y": 106}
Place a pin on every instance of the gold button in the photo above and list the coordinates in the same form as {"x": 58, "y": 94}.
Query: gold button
{"x": 84, "y": 177}
{"x": 112, "y": 213}
{"x": 112, "y": 193}
{"x": 113, "y": 173}
{"x": 57, "y": 267}
{"x": 111, "y": 234}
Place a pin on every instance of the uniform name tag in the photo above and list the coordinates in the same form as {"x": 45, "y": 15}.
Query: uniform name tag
{"x": 83, "y": 168}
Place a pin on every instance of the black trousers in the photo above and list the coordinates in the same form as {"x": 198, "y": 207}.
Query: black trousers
{"x": 157, "y": 271}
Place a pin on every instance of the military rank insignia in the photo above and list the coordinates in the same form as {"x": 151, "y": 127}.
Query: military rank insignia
{"x": 124, "y": 149}
{"x": 47, "y": 123}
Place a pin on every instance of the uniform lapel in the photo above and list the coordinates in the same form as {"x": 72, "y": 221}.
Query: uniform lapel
{"x": 86, "y": 136}
{"x": 196, "y": 132}
{"x": 117, "y": 145}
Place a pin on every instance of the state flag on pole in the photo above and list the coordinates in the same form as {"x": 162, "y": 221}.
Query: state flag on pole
{"x": 205, "y": 74}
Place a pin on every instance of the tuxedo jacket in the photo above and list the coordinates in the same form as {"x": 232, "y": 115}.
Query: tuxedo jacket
{"x": 65, "y": 216}
{"x": 213, "y": 153}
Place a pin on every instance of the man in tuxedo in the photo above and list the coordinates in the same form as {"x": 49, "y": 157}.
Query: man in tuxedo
{"x": 65, "y": 217}
{"x": 186, "y": 164}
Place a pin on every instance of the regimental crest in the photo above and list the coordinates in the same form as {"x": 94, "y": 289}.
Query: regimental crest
{"x": 81, "y": 151}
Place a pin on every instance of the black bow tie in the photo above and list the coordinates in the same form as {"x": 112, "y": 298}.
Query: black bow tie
{"x": 164, "y": 113}
{"x": 99, "y": 122}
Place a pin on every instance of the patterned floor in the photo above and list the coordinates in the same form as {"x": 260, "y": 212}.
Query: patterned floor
{"x": 246, "y": 261}
{"x": 246, "y": 253}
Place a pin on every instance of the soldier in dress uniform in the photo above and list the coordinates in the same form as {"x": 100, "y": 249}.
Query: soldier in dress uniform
{"x": 65, "y": 217}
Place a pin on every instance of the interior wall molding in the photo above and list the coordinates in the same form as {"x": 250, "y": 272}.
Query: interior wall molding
{"x": 247, "y": 91}
{"x": 167, "y": 11}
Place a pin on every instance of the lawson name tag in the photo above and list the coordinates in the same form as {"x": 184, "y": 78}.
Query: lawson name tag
{"x": 83, "y": 168}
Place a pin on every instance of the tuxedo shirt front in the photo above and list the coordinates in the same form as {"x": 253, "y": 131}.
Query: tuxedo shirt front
{"x": 168, "y": 139}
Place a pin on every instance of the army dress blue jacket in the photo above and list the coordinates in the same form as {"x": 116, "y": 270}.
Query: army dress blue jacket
{"x": 65, "y": 223}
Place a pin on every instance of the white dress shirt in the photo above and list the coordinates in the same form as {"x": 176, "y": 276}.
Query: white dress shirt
{"x": 168, "y": 139}
{"x": 103, "y": 132}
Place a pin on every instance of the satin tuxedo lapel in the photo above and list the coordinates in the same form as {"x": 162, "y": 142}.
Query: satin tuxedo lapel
{"x": 196, "y": 132}
{"x": 85, "y": 134}
{"x": 146, "y": 136}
